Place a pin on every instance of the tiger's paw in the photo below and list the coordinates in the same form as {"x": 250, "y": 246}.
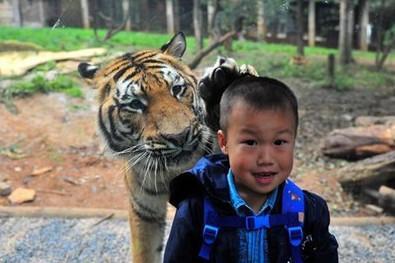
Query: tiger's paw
{"x": 215, "y": 81}
{"x": 248, "y": 69}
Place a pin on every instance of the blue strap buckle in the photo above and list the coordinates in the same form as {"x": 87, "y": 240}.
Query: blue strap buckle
{"x": 250, "y": 222}
{"x": 295, "y": 235}
{"x": 210, "y": 234}
{"x": 256, "y": 222}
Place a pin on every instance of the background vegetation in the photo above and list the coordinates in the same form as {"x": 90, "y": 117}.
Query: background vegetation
{"x": 268, "y": 58}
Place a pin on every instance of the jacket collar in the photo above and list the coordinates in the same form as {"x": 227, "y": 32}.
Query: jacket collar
{"x": 241, "y": 206}
{"x": 207, "y": 176}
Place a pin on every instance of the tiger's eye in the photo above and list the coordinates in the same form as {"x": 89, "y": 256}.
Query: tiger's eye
{"x": 178, "y": 90}
{"x": 137, "y": 104}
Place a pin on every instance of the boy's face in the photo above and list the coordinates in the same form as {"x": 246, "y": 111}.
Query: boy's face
{"x": 260, "y": 146}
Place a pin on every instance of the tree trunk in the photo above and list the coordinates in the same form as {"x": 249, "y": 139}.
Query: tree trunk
{"x": 261, "y": 25}
{"x": 41, "y": 17}
{"x": 364, "y": 23}
{"x": 350, "y": 30}
{"x": 85, "y": 13}
{"x": 135, "y": 14}
{"x": 210, "y": 15}
{"x": 197, "y": 24}
{"x": 311, "y": 23}
{"x": 176, "y": 8}
{"x": 126, "y": 13}
{"x": 144, "y": 9}
{"x": 170, "y": 17}
{"x": 300, "y": 31}
{"x": 384, "y": 56}
{"x": 344, "y": 34}
{"x": 17, "y": 13}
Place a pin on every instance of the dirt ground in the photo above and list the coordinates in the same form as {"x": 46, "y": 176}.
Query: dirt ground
{"x": 53, "y": 147}
{"x": 57, "y": 133}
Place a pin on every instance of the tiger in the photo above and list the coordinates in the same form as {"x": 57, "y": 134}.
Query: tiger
{"x": 152, "y": 116}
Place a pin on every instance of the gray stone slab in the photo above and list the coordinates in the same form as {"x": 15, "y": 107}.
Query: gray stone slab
{"x": 39, "y": 240}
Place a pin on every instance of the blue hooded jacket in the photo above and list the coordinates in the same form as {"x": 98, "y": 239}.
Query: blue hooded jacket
{"x": 208, "y": 179}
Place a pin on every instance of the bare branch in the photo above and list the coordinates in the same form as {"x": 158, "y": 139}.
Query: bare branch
{"x": 114, "y": 30}
{"x": 196, "y": 61}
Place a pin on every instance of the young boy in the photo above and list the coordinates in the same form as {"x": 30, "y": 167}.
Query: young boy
{"x": 258, "y": 124}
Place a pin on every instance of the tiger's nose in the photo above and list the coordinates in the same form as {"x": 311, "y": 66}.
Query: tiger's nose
{"x": 178, "y": 139}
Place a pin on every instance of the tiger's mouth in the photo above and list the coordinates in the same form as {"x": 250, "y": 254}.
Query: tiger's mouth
{"x": 172, "y": 154}
{"x": 169, "y": 150}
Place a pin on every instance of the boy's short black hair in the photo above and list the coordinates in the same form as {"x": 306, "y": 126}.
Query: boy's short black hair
{"x": 260, "y": 93}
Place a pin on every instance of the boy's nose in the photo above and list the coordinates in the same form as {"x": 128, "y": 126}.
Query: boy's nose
{"x": 265, "y": 156}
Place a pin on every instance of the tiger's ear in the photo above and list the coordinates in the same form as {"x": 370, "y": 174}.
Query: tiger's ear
{"x": 176, "y": 46}
{"x": 87, "y": 71}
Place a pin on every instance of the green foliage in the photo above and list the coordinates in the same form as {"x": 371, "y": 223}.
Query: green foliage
{"x": 269, "y": 59}
{"x": 54, "y": 40}
{"x": 74, "y": 38}
{"x": 40, "y": 84}
{"x": 271, "y": 62}
{"x": 14, "y": 45}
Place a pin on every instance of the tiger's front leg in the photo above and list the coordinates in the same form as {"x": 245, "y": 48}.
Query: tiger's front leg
{"x": 147, "y": 220}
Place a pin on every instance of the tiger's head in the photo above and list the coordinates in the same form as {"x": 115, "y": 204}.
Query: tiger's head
{"x": 149, "y": 110}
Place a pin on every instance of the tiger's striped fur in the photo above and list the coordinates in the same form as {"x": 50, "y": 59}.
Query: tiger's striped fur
{"x": 151, "y": 116}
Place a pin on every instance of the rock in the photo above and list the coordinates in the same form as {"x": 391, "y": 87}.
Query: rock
{"x": 38, "y": 171}
{"x": 5, "y": 189}
{"x": 21, "y": 195}
{"x": 347, "y": 117}
{"x": 4, "y": 178}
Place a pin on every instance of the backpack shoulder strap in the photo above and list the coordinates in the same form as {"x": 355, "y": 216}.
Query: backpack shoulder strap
{"x": 293, "y": 207}
{"x": 210, "y": 229}
{"x": 292, "y": 217}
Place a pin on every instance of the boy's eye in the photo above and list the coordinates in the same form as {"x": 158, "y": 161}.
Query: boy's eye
{"x": 250, "y": 142}
{"x": 280, "y": 142}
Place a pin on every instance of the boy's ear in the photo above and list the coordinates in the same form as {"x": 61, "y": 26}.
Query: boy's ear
{"x": 221, "y": 138}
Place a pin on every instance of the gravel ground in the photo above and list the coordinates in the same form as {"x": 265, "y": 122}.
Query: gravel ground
{"x": 90, "y": 240}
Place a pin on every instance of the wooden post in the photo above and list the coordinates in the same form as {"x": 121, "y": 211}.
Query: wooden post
{"x": 331, "y": 70}
{"x": 311, "y": 23}
{"x": 300, "y": 29}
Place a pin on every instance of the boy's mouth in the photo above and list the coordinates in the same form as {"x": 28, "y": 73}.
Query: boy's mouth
{"x": 264, "y": 177}
{"x": 264, "y": 174}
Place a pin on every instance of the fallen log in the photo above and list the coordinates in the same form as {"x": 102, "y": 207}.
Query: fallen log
{"x": 385, "y": 196}
{"x": 373, "y": 120}
{"x": 18, "y": 63}
{"x": 387, "y": 199}
{"x": 360, "y": 142}
{"x": 375, "y": 170}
